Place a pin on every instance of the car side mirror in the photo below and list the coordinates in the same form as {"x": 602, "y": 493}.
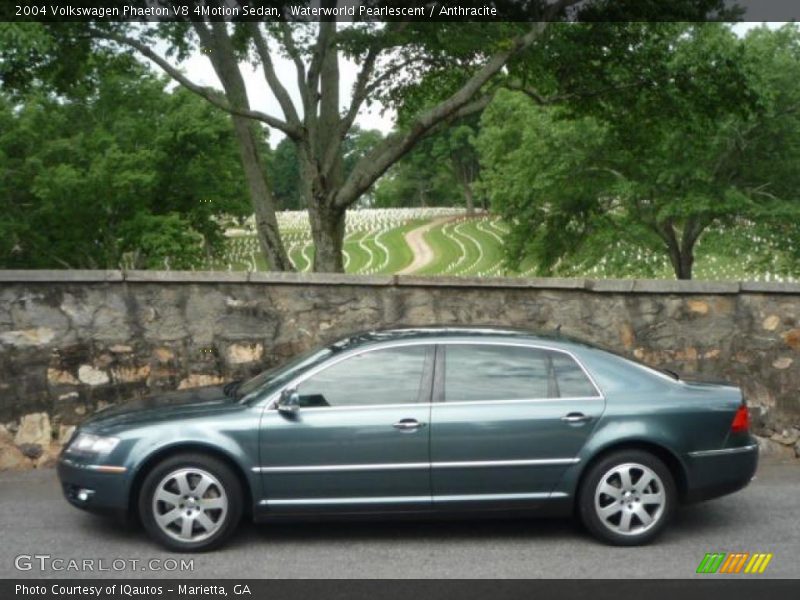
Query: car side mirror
{"x": 289, "y": 402}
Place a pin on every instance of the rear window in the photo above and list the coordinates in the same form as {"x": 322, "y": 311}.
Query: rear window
{"x": 572, "y": 381}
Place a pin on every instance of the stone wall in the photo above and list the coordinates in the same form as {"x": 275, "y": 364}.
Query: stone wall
{"x": 72, "y": 342}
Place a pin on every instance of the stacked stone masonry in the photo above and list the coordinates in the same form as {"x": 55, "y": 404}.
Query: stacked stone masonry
{"x": 73, "y": 342}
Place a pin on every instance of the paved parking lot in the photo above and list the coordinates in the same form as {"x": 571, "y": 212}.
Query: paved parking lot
{"x": 765, "y": 517}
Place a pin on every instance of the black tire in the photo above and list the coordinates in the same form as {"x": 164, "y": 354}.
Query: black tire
{"x": 224, "y": 489}
{"x": 609, "y": 470}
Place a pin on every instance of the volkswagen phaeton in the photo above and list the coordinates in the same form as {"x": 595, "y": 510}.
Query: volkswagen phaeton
{"x": 420, "y": 422}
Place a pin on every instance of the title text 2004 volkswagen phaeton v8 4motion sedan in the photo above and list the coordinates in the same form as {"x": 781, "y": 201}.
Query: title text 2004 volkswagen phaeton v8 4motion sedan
{"x": 419, "y": 421}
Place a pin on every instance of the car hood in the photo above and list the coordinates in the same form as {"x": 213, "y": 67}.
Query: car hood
{"x": 196, "y": 402}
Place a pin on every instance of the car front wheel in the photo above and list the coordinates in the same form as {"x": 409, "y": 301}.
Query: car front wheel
{"x": 191, "y": 502}
{"x": 627, "y": 498}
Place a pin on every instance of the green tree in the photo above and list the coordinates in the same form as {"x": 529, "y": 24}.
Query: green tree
{"x": 440, "y": 171}
{"x": 417, "y": 180}
{"x": 397, "y": 62}
{"x": 284, "y": 167}
{"x": 710, "y": 142}
{"x": 124, "y": 170}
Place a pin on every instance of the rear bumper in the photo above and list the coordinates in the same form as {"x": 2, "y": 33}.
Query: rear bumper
{"x": 714, "y": 473}
{"x": 97, "y": 491}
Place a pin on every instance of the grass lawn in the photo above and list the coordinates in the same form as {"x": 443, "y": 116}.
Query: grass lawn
{"x": 473, "y": 247}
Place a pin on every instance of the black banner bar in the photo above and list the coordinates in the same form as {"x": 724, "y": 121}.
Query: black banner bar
{"x": 704, "y": 588}
{"x": 394, "y": 10}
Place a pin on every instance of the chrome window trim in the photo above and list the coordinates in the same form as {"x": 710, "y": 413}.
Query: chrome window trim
{"x": 363, "y": 406}
{"x": 466, "y": 464}
{"x": 723, "y": 451}
{"x": 272, "y": 400}
{"x": 515, "y": 401}
{"x": 443, "y": 404}
{"x": 409, "y": 499}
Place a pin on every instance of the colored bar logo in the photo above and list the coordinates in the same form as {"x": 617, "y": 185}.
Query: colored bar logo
{"x": 734, "y": 562}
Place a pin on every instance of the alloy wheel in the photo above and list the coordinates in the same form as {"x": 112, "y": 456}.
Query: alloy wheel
{"x": 190, "y": 504}
{"x": 630, "y": 499}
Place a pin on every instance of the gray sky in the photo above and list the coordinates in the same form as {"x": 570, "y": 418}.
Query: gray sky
{"x": 199, "y": 69}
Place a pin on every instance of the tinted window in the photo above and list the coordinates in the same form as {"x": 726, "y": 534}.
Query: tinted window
{"x": 572, "y": 381}
{"x": 475, "y": 372}
{"x": 390, "y": 376}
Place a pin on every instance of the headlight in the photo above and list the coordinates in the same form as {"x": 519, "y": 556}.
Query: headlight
{"x": 86, "y": 443}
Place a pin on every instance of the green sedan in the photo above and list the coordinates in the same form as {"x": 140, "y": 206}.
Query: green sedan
{"x": 426, "y": 421}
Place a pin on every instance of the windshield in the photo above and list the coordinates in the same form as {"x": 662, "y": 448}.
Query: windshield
{"x": 273, "y": 378}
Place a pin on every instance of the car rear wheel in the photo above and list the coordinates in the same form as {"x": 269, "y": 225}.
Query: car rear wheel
{"x": 191, "y": 502}
{"x": 627, "y": 498}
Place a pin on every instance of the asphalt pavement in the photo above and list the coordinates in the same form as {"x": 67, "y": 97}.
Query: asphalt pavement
{"x": 765, "y": 517}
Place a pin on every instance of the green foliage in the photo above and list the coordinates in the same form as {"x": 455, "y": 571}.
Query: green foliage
{"x": 82, "y": 178}
{"x": 160, "y": 241}
{"x": 708, "y": 140}
{"x": 437, "y": 172}
{"x": 418, "y": 180}
{"x": 283, "y": 165}
{"x": 284, "y": 176}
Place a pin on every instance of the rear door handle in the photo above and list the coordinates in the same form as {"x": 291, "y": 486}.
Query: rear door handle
{"x": 576, "y": 417}
{"x": 408, "y": 425}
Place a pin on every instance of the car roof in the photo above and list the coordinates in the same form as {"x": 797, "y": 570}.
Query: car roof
{"x": 442, "y": 333}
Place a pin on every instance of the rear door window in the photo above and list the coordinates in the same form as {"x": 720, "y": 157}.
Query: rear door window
{"x": 478, "y": 372}
{"x": 475, "y": 373}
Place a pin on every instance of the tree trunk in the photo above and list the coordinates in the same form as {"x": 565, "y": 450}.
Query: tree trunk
{"x": 261, "y": 198}
{"x": 327, "y": 230}
{"x": 682, "y": 260}
{"x": 685, "y": 264}
{"x": 469, "y": 197}
{"x": 680, "y": 252}
{"x": 248, "y": 133}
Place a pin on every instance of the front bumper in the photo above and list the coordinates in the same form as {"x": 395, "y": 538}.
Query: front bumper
{"x": 97, "y": 488}
{"x": 714, "y": 473}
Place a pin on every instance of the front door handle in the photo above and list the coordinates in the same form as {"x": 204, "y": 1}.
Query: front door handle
{"x": 576, "y": 417}
{"x": 408, "y": 425}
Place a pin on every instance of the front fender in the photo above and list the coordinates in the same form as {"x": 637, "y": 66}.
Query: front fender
{"x": 237, "y": 446}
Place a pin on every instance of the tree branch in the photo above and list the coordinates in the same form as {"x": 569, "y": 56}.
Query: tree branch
{"x": 534, "y": 94}
{"x": 212, "y": 96}
{"x": 321, "y": 49}
{"x": 363, "y": 86}
{"x": 359, "y": 90}
{"x": 300, "y": 67}
{"x": 394, "y": 147}
{"x": 262, "y": 48}
{"x": 476, "y": 106}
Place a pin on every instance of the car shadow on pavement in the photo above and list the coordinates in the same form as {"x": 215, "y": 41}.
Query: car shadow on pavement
{"x": 704, "y": 518}
{"x": 699, "y": 518}
{"x": 415, "y": 530}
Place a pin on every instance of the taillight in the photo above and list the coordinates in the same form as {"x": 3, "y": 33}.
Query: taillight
{"x": 741, "y": 420}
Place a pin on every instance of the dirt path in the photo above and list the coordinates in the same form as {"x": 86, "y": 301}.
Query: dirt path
{"x": 423, "y": 253}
